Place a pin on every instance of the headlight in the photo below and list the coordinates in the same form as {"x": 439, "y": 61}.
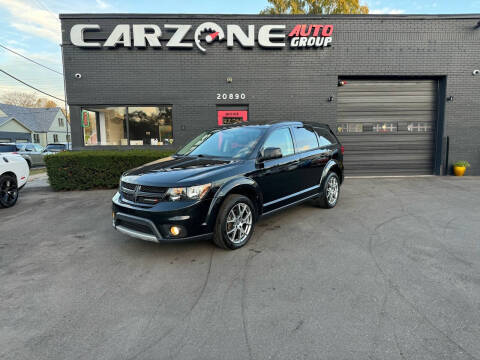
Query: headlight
{"x": 188, "y": 193}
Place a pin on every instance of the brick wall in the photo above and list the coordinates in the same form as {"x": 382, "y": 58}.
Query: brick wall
{"x": 286, "y": 84}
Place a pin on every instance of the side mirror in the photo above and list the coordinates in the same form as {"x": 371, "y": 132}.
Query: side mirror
{"x": 271, "y": 153}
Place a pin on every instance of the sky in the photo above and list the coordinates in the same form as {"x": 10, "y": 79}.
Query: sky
{"x": 32, "y": 28}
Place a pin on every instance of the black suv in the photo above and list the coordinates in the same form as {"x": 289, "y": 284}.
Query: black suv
{"x": 225, "y": 179}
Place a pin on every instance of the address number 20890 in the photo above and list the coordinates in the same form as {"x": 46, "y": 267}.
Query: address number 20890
{"x": 231, "y": 96}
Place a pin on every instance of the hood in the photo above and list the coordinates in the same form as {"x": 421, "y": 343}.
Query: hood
{"x": 179, "y": 171}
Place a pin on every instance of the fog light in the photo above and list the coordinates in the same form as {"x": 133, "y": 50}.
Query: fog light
{"x": 175, "y": 230}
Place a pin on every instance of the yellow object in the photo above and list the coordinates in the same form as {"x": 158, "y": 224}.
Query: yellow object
{"x": 459, "y": 170}
{"x": 174, "y": 230}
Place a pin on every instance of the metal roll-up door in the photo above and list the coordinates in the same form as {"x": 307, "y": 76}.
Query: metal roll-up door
{"x": 387, "y": 126}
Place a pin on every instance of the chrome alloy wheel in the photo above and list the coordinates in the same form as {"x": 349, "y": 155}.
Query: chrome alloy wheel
{"x": 332, "y": 190}
{"x": 239, "y": 223}
{"x": 8, "y": 192}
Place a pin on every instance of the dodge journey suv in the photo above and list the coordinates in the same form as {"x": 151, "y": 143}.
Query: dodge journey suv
{"x": 220, "y": 183}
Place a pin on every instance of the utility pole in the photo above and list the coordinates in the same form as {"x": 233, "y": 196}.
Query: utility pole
{"x": 65, "y": 98}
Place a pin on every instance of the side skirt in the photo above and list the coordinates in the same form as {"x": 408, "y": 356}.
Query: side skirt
{"x": 290, "y": 205}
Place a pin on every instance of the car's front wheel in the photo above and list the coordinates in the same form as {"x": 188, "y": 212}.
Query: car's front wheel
{"x": 235, "y": 222}
{"x": 8, "y": 191}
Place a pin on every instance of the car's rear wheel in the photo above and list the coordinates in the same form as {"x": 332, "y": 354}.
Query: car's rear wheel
{"x": 235, "y": 222}
{"x": 8, "y": 191}
{"x": 330, "y": 192}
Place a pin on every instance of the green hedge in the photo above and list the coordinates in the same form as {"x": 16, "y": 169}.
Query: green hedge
{"x": 95, "y": 169}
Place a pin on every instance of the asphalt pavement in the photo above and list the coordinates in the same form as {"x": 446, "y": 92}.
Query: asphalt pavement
{"x": 393, "y": 272}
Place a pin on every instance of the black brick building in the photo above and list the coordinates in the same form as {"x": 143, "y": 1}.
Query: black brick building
{"x": 401, "y": 91}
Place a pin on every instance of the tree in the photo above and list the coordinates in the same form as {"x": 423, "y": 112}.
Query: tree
{"x": 30, "y": 100}
{"x": 45, "y": 103}
{"x": 20, "y": 99}
{"x": 319, "y": 7}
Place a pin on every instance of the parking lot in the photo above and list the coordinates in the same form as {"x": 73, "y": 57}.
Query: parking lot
{"x": 393, "y": 272}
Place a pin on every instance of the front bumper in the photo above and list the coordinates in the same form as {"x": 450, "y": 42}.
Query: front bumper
{"x": 153, "y": 223}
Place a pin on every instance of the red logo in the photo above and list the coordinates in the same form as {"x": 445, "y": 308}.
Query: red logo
{"x": 311, "y": 35}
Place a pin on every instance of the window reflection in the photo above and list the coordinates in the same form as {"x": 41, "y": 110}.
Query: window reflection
{"x": 147, "y": 125}
{"x": 150, "y": 125}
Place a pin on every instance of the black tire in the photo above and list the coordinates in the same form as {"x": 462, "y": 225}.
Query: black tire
{"x": 8, "y": 191}
{"x": 325, "y": 201}
{"x": 220, "y": 236}
{"x": 29, "y": 164}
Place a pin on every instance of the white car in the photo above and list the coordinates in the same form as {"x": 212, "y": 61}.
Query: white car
{"x": 14, "y": 173}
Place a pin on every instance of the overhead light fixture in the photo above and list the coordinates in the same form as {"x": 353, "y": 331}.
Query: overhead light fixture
{"x": 450, "y": 98}
{"x": 342, "y": 82}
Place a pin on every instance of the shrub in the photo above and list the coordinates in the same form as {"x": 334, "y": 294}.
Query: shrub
{"x": 95, "y": 169}
{"x": 462, "y": 163}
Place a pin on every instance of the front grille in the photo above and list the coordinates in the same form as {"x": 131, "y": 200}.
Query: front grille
{"x": 153, "y": 189}
{"x": 129, "y": 197}
{"x": 144, "y": 195}
{"x": 135, "y": 226}
{"x": 128, "y": 185}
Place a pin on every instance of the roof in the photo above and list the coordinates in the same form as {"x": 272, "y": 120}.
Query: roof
{"x": 267, "y": 16}
{"x": 36, "y": 119}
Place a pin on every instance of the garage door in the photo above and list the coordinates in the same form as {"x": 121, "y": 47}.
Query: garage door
{"x": 387, "y": 126}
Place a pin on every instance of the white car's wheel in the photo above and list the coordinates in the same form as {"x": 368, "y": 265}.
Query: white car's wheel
{"x": 8, "y": 191}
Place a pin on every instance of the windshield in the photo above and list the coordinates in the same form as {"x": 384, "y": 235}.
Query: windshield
{"x": 235, "y": 143}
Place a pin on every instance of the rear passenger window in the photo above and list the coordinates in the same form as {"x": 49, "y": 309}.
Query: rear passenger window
{"x": 305, "y": 139}
{"x": 7, "y": 148}
{"x": 325, "y": 138}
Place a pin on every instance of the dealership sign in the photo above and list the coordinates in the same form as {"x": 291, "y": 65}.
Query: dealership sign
{"x": 151, "y": 35}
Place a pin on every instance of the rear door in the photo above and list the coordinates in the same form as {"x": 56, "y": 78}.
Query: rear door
{"x": 35, "y": 155}
{"x": 311, "y": 158}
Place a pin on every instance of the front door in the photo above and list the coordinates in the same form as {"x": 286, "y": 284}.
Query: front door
{"x": 277, "y": 177}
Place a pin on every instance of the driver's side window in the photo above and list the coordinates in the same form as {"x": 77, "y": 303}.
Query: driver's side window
{"x": 280, "y": 138}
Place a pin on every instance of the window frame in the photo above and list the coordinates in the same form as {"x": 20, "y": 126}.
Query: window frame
{"x": 55, "y": 138}
{"x": 94, "y": 108}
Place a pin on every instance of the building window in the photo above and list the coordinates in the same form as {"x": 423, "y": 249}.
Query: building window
{"x": 55, "y": 138}
{"x": 36, "y": 138}
{"x": 132, "y": 125}
{"x": 61, "y": 122}
{"x": 389, "y": 127}
{"x": 68, "y": 138}
{"x": 419, "y": 127}
{"x": 150, "y": 125}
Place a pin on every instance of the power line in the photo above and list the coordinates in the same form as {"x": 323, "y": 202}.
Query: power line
{"x": 30, "y": 86}
{"x": 33, "y": 61}
{"x": 46, "y": 8}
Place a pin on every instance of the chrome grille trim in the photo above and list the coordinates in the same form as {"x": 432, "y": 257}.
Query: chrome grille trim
{"x": 134, "y": 194}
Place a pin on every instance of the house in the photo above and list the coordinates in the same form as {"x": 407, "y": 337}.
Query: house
{"x": 38, "y": 125}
